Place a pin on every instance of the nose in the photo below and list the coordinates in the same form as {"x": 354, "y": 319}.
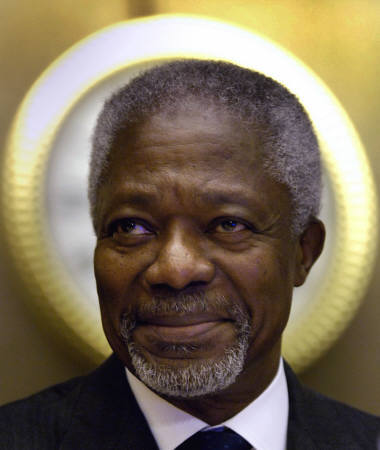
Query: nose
{"x": 180, "y": 260}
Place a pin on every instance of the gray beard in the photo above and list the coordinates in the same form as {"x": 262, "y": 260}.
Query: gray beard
{"x": 198, "y": 378}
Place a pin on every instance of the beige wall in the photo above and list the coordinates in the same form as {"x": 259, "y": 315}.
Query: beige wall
{"x": 338, "y": 39}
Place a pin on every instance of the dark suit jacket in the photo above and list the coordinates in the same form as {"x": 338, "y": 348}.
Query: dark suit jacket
{"x": 99, "y": 411}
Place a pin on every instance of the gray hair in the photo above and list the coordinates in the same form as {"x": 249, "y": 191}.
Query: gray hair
{"x": 288, "y": 142}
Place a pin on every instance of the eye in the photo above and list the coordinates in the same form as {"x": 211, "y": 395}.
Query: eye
{"x": 129, "y": 227}
{"x": 230, "y": 226}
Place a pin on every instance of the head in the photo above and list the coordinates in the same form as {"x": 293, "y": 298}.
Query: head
{"x": 261, "y": 105}
{"x": 204, "y": 190}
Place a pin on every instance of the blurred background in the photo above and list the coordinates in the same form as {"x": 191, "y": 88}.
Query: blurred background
{"x": 338, "y": 39}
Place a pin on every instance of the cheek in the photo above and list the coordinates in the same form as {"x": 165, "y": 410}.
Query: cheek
{"x": 258, "y": 275}
{"x": 274, "y": 291}
{"x": 263, "y": 281}
{"x": 263, "y": 284}
{"x": 114, "y": 274}
{"x": 113, "y": 278}
{"x": 271, "y": 284}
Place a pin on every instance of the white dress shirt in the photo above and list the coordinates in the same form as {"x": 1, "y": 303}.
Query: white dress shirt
{"x": 263, "y": 423}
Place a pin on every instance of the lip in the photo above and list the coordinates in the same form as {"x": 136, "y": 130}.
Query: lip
{"x": 183, "y": 333}
{"x": 182, "y": 328}
{"x": 182, "y": 320}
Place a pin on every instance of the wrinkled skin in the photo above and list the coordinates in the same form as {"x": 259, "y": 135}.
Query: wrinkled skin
{"x": 206, "y": 219}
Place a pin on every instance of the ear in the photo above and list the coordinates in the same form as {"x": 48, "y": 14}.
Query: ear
{"x": 309, "y": 247}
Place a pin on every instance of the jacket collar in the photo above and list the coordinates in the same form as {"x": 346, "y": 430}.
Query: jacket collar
{"x": 299, "y": 432}
{"x": 106, "y": 415}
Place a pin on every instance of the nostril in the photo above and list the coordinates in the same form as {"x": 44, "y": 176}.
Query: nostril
{"x": 165, "y": 290}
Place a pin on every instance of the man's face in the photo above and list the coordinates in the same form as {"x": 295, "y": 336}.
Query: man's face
{"x": 195, "y": 262}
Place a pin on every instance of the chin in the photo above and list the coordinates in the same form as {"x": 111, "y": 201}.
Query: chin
{"x": 189, "y": 377}
{"x": 184, "y": 364}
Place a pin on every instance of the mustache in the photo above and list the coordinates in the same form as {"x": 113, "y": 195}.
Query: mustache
{"x": 183, "y": 304}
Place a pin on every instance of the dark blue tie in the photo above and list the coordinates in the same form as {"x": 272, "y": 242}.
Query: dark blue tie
{"x": 221, "y": 438}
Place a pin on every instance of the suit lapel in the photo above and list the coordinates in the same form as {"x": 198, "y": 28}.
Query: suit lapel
{"x": 300, "y": 436}
{"x": 299, "y": 439}
{"x": 106, "y": 415}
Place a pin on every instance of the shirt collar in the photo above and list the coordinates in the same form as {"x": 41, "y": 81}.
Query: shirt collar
{"x": 171, "y": 426}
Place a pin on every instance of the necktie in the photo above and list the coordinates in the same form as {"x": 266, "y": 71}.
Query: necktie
{"x": 221, "y": 438}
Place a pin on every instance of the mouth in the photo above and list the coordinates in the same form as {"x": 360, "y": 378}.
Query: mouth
{"x": 183, "y": 335}
{"x": 181, "y": 328}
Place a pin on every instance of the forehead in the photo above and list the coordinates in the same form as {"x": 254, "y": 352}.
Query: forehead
{"x": 190, "y": 133}
{"x": 194, "y": 156}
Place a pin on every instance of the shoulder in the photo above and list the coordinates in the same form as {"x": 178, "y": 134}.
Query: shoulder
{"x": 43, "y": 420}
{"x": 326, "y": 410}
{"x": 46, "y": 414}
{"x": 329, "y": 424}
{"x": 94, "y": 412}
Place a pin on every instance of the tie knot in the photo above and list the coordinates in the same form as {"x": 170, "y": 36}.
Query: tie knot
{"x": 221, "y": 438}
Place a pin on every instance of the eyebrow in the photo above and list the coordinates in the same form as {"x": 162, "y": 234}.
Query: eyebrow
{"x": 225, "y": 196}
{"x": 146, "y": 196}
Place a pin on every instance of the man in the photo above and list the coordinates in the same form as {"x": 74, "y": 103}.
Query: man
{"x": 204, "y": 190}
